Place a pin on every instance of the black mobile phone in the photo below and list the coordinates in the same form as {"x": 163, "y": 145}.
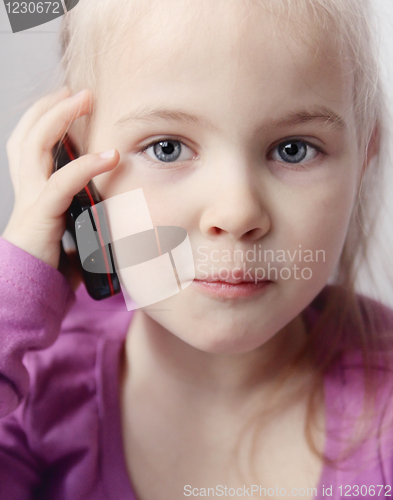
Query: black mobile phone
{"x": 99, "y": 285}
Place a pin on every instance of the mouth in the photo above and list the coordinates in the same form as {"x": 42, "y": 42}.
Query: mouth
{"x": 231, "y": 281}
{"x": 234, "y": 277}
{"x": 228, "y": 289}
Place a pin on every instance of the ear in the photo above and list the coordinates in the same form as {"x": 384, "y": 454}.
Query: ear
{"x": 78, "y": 134}
{"x": 375, "y": 143}
{"x": 372, "y": 147}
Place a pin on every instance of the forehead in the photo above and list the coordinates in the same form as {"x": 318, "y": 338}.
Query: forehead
{"x": 194, "y": 51}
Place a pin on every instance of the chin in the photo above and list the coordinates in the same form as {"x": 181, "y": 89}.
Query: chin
{"x": 223, "y": 341}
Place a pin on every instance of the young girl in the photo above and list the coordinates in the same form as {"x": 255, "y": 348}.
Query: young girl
{"x": 259, "y": 127}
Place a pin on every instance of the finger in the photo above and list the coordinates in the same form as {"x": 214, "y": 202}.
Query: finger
{"x": 31, "y": 116}
{"x": 53, "y": 124}
{"x": 15, "y": 141}
{"x": 63, "y": 185}
{"x": 36, "y": 161}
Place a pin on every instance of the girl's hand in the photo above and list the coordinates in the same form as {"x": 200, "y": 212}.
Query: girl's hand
{"x": 38, "y": 220}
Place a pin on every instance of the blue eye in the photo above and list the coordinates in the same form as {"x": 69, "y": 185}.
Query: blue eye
{"x": 168, "y": 151}
{"x": 294, "y": 151}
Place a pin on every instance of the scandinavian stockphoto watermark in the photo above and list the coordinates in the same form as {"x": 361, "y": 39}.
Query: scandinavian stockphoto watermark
{"x": 152, "y": 262}
{"x": 255, "y": 490}
{"x": 275, "y": 264}
{"x": 26, "y": 15}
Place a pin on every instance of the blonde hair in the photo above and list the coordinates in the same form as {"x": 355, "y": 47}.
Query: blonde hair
{"x": 90, "y": 29}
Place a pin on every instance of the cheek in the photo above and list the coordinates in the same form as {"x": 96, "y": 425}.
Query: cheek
{"x": 327, "y": 222}
{"x": 317, "y": 223}
{"x": 166, "y": 202}
{"x": 311, "y": 236}
{"x": 334, "y": 211}
{"x": 153, "y": 262}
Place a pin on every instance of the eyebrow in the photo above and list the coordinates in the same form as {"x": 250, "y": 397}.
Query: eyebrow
{"x": 316, "y": 113}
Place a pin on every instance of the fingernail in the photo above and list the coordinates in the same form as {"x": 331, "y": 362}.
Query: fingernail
{"x": 107, "y": 154}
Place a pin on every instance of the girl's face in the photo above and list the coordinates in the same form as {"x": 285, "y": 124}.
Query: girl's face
{"x": 260, "y": 154}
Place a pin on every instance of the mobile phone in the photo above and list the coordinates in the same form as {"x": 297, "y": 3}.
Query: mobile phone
{"x": 98, "y": 285}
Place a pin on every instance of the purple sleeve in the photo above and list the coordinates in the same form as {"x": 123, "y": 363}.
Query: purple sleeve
{"x": 20, "y": 471}
{"x": 34, "y": 299}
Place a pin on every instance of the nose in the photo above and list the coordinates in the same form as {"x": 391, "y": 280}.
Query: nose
{"x": 236, "y": 208}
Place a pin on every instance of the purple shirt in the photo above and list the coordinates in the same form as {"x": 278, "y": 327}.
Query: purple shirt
{"x": 60, "y": 431}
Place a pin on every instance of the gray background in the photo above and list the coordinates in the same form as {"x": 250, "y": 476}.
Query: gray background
{"x": 28, "y": 60}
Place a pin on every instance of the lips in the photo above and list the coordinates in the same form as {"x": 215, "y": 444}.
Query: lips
{"x": 224, "y": 290}
{"x": 235, "y": 277}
